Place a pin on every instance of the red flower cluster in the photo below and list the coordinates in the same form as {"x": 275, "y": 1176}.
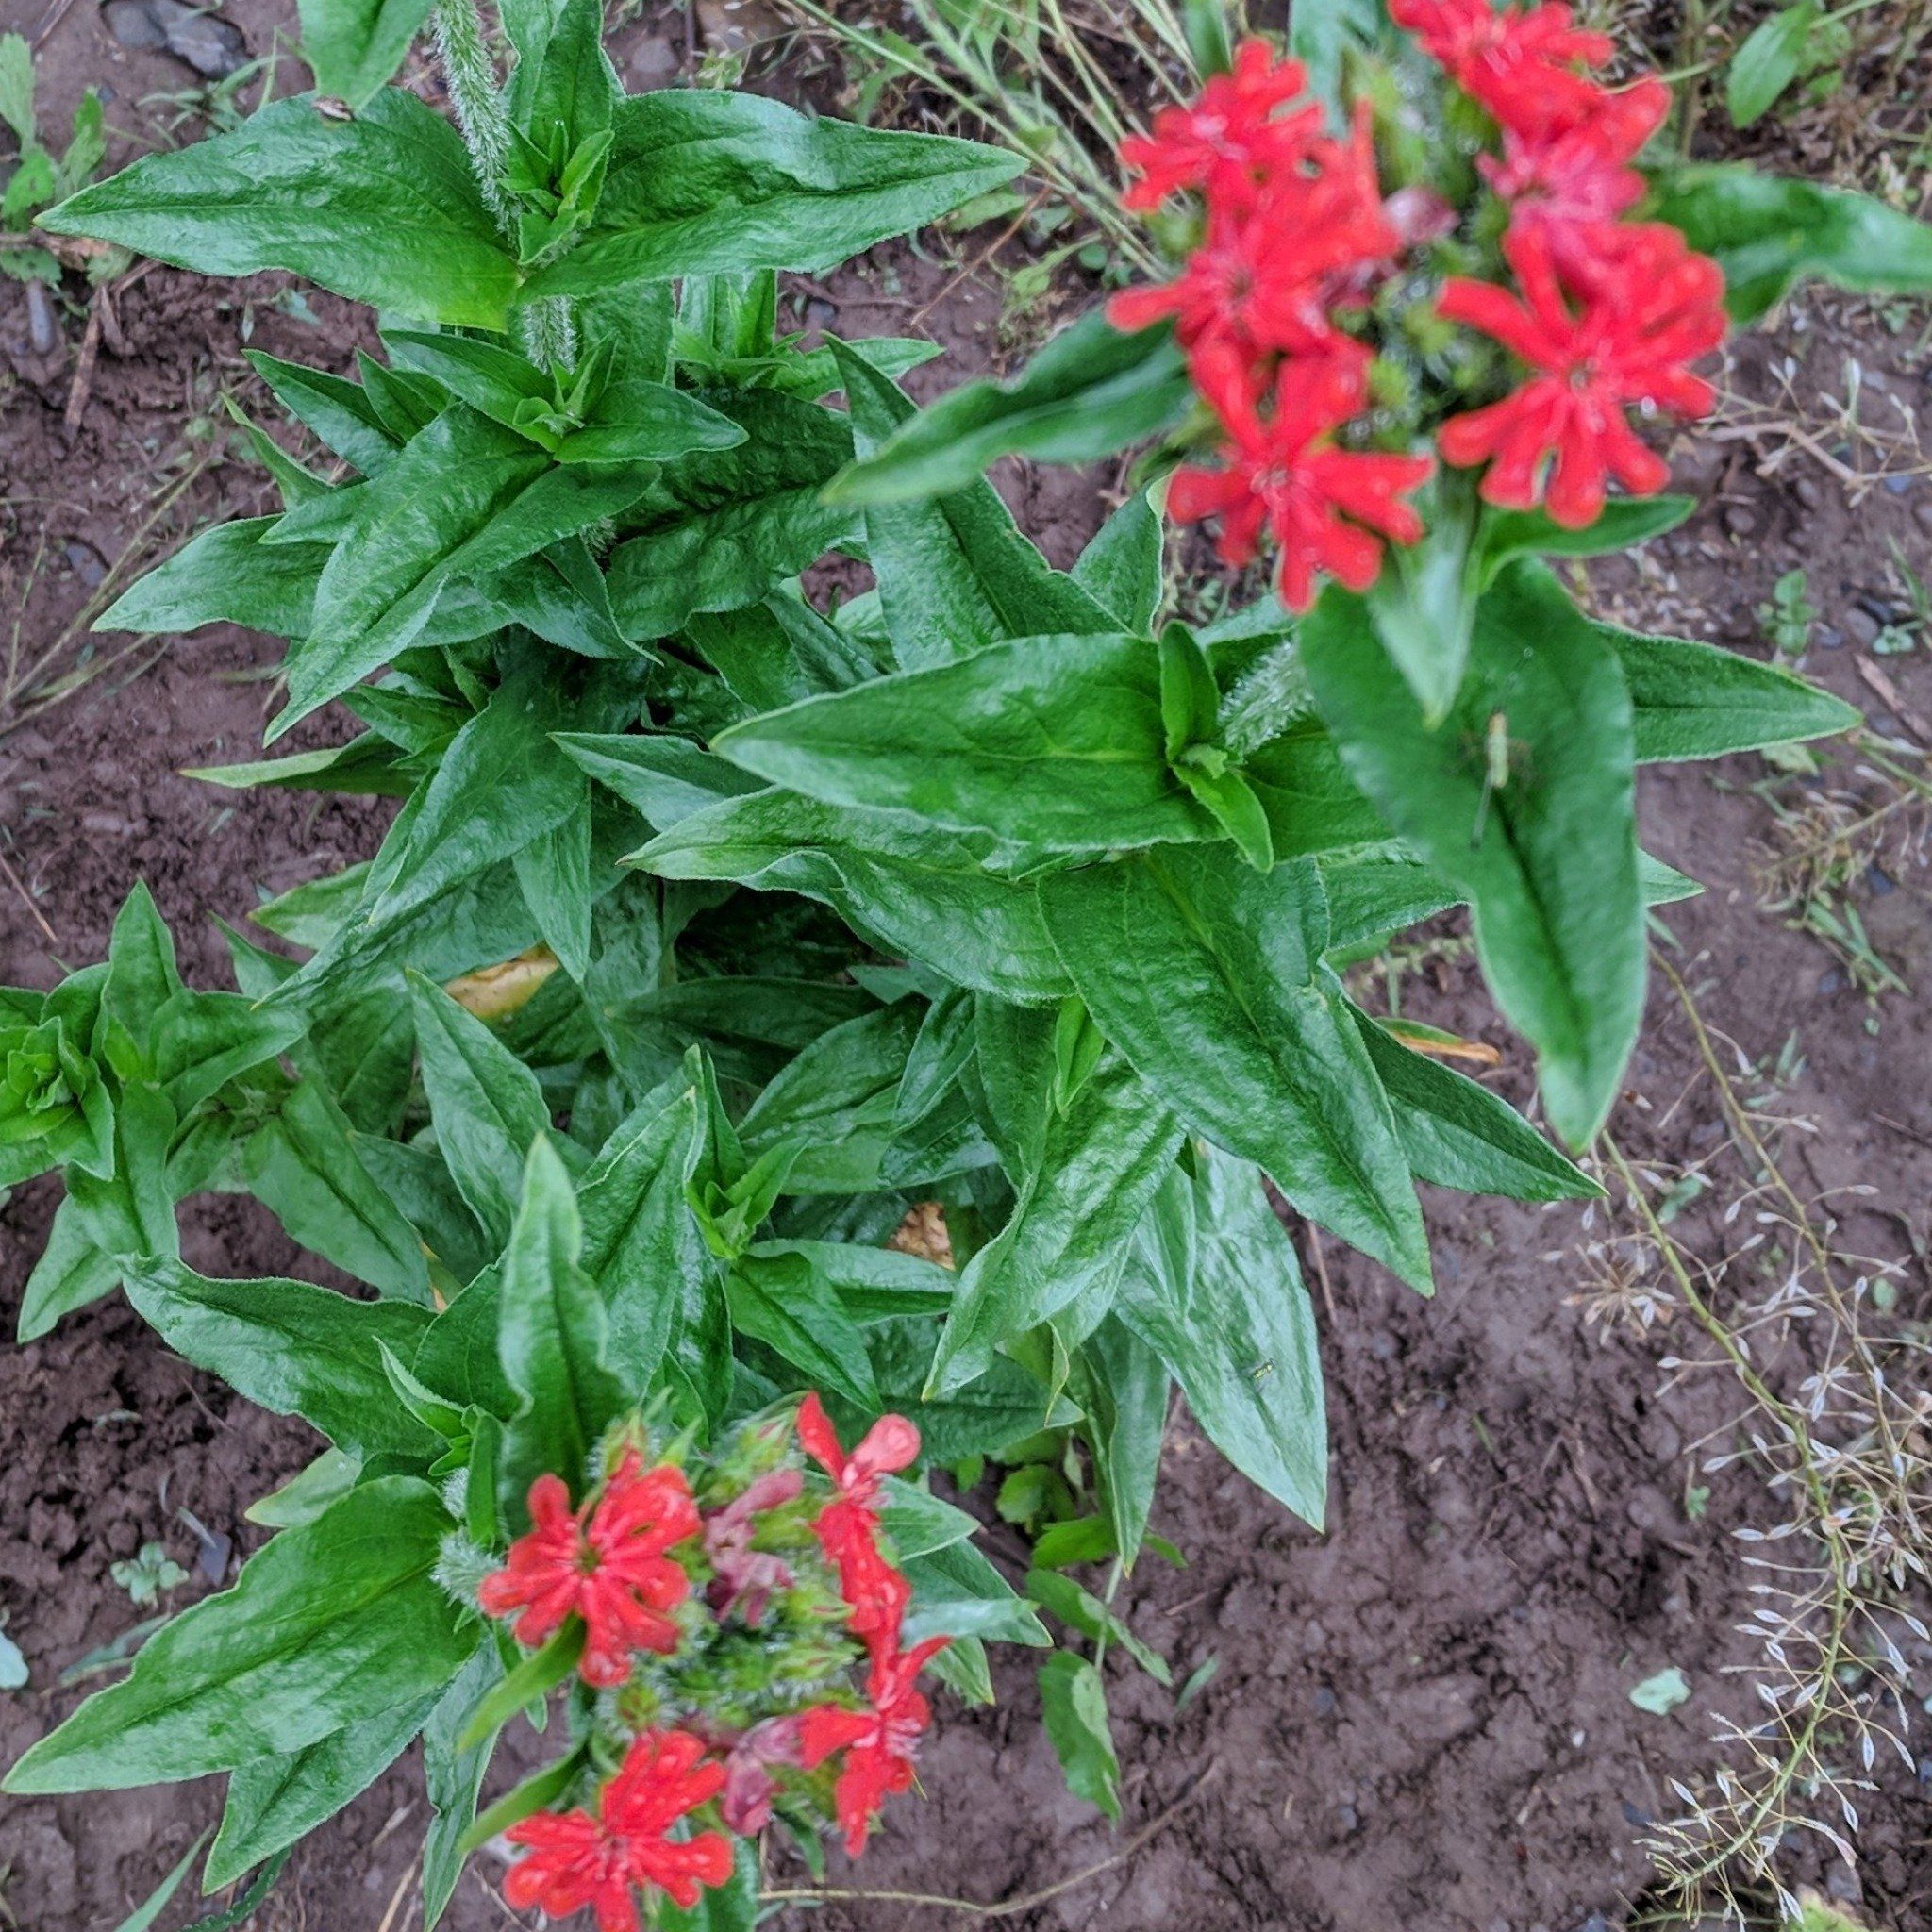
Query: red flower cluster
{"x": 622, "y": 1563}
{"x": 1296, "y": 235}
{"x": 577, "y": 1859}
{"x": 881, "y": 1742}
{"x": 1613, "y": 313}
{"x": 606, "y": 1563}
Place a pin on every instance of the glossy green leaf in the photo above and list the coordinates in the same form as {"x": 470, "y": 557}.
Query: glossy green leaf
{"x": 1767, "y": 233}
{"x": 293, "y": 1348}
{"x": 1092, "y": 390}
{"x": 383, "y": 208}
{"x": 707, "y": 182}
{"x": 1699, "y": 701}
{"x": 782, "y": 1299}
{"x": 227, "y": 574}
{"x": 957, "y": 1593}
{"x": 1121, "y": 567}
{"x": 1054, "y": 741}
{"x": 1072, "y": 1702}
{"x": 1768, "y": 63}
{"x": 1205, "y": 973}
{"x": 328, "y": 1626}
{"x": 454, "y": 1778}
{"x": 1548, "y": 858}
{"x": 354, "y": 46}
{"x": 1459, "y": 1135}
{"x": 1624, "y": 522}
{"x": 1237, "y": 1329}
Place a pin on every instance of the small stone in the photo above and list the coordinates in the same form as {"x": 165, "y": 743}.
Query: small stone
{"x": 1738, "y": 521}
{"x": 1807, "y": 492}
{"x": 42, "y": 331}
{"x": 1831, "y": 980}
{"x": 1861, "y": 626}
{"x": 85, "y": 562}
{"x": 1922, "y": 515}
{"x": 654, "y": 63}
{"x": 1830, "y": 637}
{"x": 1842, "y": 1883}
{"x": 1326, "y": 1702}
{"x": 1898, "y": 485}
{"x": 1348, "y": 1817}
{"x": 1879, "y": 881}
{"x": 820, "y": 312}
{"x": 133, "y": 26}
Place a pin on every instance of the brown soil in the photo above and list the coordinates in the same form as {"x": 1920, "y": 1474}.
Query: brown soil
{"x": 1420, "y": 1719}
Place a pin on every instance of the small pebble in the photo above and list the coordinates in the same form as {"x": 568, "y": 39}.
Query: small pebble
{"x": 1922, "y": 515}
{"x": 1738, "y": 521}
{"x": 1807, "y": 492}
{"x": 1831, "y": 980}
{"x": 42, "y": 331}
{"x": 1860, "y": 626}
{"x": 1879, "y": 882}
{"x": 1898, "y": 485}
{"x": 1830, "y": 637}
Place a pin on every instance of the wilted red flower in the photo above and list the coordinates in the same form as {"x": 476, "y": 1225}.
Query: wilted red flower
{"x": 749, "y": 1786}
{"x": 1229, "y": 138}
{"x": 605, "y": 1563}
{"x": 891, "y": 1444}
{"x": 744, "y": 1577}
{"x": 880, "y": 1742}
{"x": 577, "y": 1859}
{"x": 1521, "y": 66}
{"x": 1284, "y": 474}
{"x": 1650, "y": 308}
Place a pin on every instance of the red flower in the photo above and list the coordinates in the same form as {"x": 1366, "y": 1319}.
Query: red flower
{"x": 1230, "y": 138}
{"x": 749, "y": 1786}
{"x": 880, "y": 1742}
{"x": 605, "y": 1563}
{"x": 1650, "y": 308}
{"x": 1284, "y": 475}
{"x": 576, "y": 1859}
{"x": 1523, "y": 67}
{"x": 891, "y": 1444}
{"x": 875, "y": 1593}
{"x": 1271, "y": 271}
{"x": 1571, "y": 185}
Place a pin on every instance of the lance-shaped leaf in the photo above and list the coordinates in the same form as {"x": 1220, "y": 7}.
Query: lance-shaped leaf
{"x": 1214, "y": 1289}
{"x": 383, "y": 208}
{"x": 454, "y": 1777}
{"x": 275, "y": 1801}
{"x": 1459, "y": 1135}
{"x": 293, "y": 1348}
{"x": 328, "y": 1624}
{"x": 1545, "y": 852}
{"x": 484, "y": 1104}
{"x": 1053, "y": 741}
{"x": 1099, "y": 1162}
{"x": 923, "y": 894}
{"x": 780, "y": 1297}
{"x": 1767, "y": 233}
{"x": 551, "y": 1340}
{"x": 226, "y": 575}
{"x": 720, "y": 528}
{"x": 465, "y": 497}
{"x": 1697, "y": 701}
{"x": 1120, "y": 566}
{"x": 1205, "y": 973}
{"x": 354, "y": 47}
{"x": 704, "y": 182}
{"x": 1092, "y": 390}
{"x": 955, "y": 574}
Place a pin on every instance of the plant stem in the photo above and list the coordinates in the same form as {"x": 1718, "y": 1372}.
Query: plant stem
{"x": 475, "y": 93}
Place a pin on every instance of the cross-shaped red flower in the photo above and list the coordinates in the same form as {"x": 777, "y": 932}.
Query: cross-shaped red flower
{"x": 1524, "y": 67}
{"x": 1650, "y": 308}
{"x": 1226, "y": 141}
{"x": 577, "y": 1859}
{"x": 879, "y": 1742}
{"x": 605, "y": 1563}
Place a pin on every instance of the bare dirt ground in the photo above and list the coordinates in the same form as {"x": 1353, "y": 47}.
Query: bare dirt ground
{"x": 1420, "y": 1719}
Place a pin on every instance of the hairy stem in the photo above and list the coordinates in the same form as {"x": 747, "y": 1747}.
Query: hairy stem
{"x": 476, "y": 96}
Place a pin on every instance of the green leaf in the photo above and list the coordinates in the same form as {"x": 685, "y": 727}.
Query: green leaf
{"x": 1767, "y": 233}
{"x": 1054, "y": 741}
{"x": 327, "y": 1625}
{"x": 706, "y": 182}
{"x": 293, "y": 1348}
{"x": 1459, "y": 1135}
{"x": 1214, "y": 1289}
{"x": 1322, "y": 34}
{"x": 1547, "y": 859}
{"x": 1080, "y": 1609}
{"x": 1122, "y": 1385}
{"x": 307, "y": 1492}
{"x": 923, "y": 894}
{"x": 383, "y": 208}
{"x": 227, "y": 575}
{"x": 454, "y": 1778}
{"x": 1624, "y": 522}
{"x": 721, "y": 528}
{"x": 551, "y": 1339}
{"x": 354, "y": 46}
{"x": 1121, "y": 567}
{"x": 465, "y": 497}
{"x": 957, "y": 1593}
{"x": 72, "y": 1269}
{"x": 786, "y": 1302}
{"x": 301, "y": 1165}
{"x": 1205, "y": 974}
{"x": 1073, "y": 1706}
{"x": 144, "y": 1914}
{"x": 663, "y": 780}
{"x": 1699, "y": 701}
{"x": 275, "y": 1801}
{"x": 1098, "y": 1166}
{"x": 485, "y": 1104}
{"x": 1768, "y": 63}
{"x": 955, "y": 574}
{"x": 1092, "y": 390}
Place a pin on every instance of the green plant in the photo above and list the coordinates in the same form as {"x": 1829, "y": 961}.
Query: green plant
{"x": 148, "y": 1575}
{"x": 40, "y": 177}
{"x": 1788, "y": 616}
{"x": 723, "y": 925}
